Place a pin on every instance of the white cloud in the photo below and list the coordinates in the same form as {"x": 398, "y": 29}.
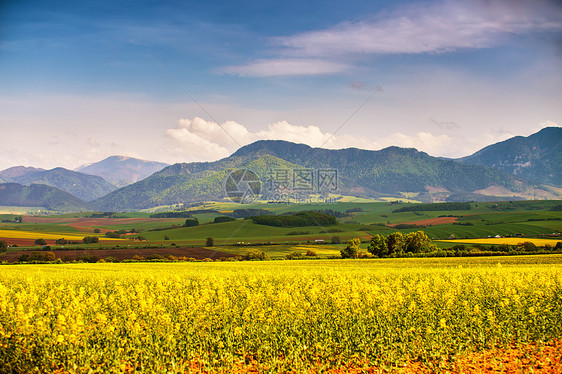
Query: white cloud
{"x": 201, "y": 140}
{"x": 285, "y": 66}
{"x": 430, "y": 27}
{"x": 311, "y": 135}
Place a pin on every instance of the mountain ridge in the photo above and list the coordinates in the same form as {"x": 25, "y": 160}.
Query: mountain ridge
{"x": 392, "y": 171}
{"x": 122, "y": 170}
{"x": 40, "y": 195}
{"x": 83, "y": 186}
{"x": 537, "y": 157}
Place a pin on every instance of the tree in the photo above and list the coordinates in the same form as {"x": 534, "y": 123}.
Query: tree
{"x": 3, "y": 246}
{"x": 210, "y": 242}
{"x": 255, "y": 254}
{"x": 191, "y": 222}
{"x": 394, "y": 242}
{"x": 378, "y": 246}
{"x": 417, "y": 242}
{"x": 90, "y": 239}
{"x": 97, "y": 231}
{"x": 221, "y": 219}
{"x": 352, "y": 249}
{"x": 61, "y": 241}
{"x": 40, "y": 242}
{"x": 528, "y": 246}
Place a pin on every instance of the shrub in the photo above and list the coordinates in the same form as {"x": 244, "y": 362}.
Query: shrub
{"x": 352, "y": 249}
{"x": 298, "y": 233}
{"x": 293, "y": 255}
{"x": 96, "y": 231}
{"x": 191, "y": 222}
{"x": 210, "y": 242}
{"x": 3, "y": 246}
{"x": 255, "y": 254}
{"x": 61, "y": 241}
{"x": 336, "y": 240}
{"x": 222, "y": 219}
{"x": 40, "y": 242}
{"x": 311, "y": 253}
{"x": 90, "y": 240}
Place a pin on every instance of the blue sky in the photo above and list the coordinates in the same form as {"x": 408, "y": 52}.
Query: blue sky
{"x": 81, "y": 81}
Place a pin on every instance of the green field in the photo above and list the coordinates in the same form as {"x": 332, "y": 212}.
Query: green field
{"x": 275, "y": 316}
{"x": 364, "y": 219}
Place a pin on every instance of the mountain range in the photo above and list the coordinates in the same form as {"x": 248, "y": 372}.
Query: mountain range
{"x": 40, "y": 195}
{"x": 537, "y": 158}
{"x": 83, "y": 186}
{"x": 518, "y": 168}
{"x": 122, "y": 171}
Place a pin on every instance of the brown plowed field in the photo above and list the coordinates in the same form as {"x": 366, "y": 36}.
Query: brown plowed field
{"x": 429, "y": 221}
{"x": 126, "y": 253}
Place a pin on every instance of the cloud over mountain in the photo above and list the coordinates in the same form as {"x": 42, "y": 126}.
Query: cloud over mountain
{"x": 202, "y": 140}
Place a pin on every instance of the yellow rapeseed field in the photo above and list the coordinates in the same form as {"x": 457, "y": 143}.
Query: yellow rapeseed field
{"x": 273, "y": 316}
{"x": 20, "y": 234}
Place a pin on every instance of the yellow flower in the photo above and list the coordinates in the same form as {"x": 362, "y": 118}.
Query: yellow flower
{"x": 60, "y": 338}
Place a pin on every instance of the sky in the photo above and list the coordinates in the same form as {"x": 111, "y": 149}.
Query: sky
{"x": 185, "y": 81}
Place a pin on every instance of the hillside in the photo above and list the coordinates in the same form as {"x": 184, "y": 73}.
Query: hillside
{"x": 83, "y": 186}
{"x": 18, "y": 171}
{"x": 40, "y": 195}
{"x": 392, "y": 170}
{"x": 388, "y": 172}
{"x": 182, "y": 183}
{"x": 122, "y": 171}
{"x": 537, "y": 158}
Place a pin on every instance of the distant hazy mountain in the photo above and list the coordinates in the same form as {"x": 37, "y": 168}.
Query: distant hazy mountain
{"x": 537, "y": 158}
{"x": 18, "y": 171}
{"x": 40, "y": 195}
{"x": 122, "y": 171}
{"x": 83, "y": 186}
{"x": 390, "y": 172}
{"x": 4, "y": 180}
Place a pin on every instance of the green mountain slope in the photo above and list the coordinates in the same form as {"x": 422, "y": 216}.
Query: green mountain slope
{"x": 40, "y": 195}
{"x": 388, "y": 172}
{"x": 537, "y": 157}
{"x": 122, "y": 171}
{"x": 182, "y": 183}
{"x": 83, "y": 186}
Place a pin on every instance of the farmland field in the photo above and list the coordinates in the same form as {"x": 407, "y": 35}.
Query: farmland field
{"x": 523, "y": 220}
{"x": 277, "y": 316}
